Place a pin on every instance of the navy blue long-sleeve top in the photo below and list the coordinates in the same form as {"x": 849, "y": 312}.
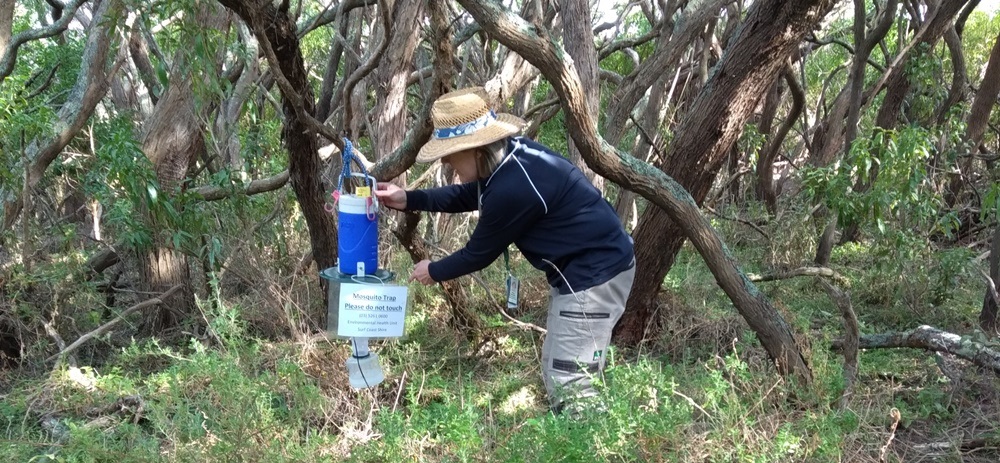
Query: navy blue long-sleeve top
{"x": 543, "y": 204}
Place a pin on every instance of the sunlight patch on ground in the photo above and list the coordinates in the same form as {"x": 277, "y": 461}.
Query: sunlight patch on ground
{"x": 523, "y": 399}
{"x": 84, "y": 378}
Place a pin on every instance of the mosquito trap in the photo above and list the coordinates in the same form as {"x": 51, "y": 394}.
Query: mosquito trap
{"x": 362, "y": 302}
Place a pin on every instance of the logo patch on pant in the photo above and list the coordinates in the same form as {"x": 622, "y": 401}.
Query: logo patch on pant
{"x": 598, "y": 354}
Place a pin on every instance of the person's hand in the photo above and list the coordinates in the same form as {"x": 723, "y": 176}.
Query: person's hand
{"x": 391, "y": 196}
{"x": 421, "y": 273}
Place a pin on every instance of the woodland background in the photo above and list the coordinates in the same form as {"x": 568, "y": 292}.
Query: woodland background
{"x": 811, "y": 186}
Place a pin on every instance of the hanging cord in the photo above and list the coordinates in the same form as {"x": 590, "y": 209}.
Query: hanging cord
{"x": 372, "y": 201}
{"x": 357, "y": 359}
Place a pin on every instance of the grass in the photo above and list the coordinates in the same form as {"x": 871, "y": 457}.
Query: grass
{"x": 702, "y": 391}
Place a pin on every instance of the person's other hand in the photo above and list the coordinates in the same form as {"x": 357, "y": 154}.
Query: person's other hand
{"x": 391, "y": 196}
{"x": 421, "y": 273}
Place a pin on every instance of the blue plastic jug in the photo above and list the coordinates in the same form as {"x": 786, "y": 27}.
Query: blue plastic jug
{"x": 357, "y": 240}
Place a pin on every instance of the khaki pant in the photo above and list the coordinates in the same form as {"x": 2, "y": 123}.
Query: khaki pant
{"x": 579, "y": 330}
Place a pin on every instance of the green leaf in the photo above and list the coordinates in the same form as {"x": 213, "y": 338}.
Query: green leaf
{"x": 151, "y": 190}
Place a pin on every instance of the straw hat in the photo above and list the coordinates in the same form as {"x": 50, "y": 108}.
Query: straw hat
{"x": 462, "y": 120}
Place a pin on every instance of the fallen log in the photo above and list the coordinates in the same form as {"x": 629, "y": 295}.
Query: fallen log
{"x": 932, "y": 339}
{"x": 933, "y": 449}
{"x": 800, "y": 272}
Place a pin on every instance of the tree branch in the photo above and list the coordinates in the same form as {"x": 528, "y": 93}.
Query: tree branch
{"x": 105, "y": 327}
{"x": 932, "y": 339}
{"x": 261, "y": 185}
{"x": 845, "y": 46}
{"x": 368, "y": 66}
{"x": 800, "y": 272}
{"x": 56, "y": 28}
{"x": 90, "y": 87}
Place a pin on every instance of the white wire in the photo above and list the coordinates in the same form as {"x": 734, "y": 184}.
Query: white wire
{"x": 519, "y": 147}
{"x": 355, "y": 279}
{"x": 565, "y": 280}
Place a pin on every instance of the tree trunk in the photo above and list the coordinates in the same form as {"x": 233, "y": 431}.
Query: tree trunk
{"x": 747, "y": 69}
{"x": 276, "y": 29}
{"x": 172, "y": 141}
{"x": 988, "y": 317}
{"x": 984, "y": 99}
{"x": 826, "y": 240}
{"x": 227, "y": 122}
{"x": 649, "y": 143}
{"x": 837, "y": 134}
{"x": 866, "y": 43}
{"x": 765, "y": 166}
{"x": 668, "y": 50}
{"x": 516, "y": 79}
{"x": 6, "y": 23}
{"x": 772, "y": 29}
{"x": 578, "y": 38}
{"x": 897, "y": 86}
{"x": 391, "y": 112}
{"x": 979, "y": 118}
{"x": 336, "y": 53}
{"x": 139, "y": 52}
{"x": 8, "y": 54}
{"x": 959, "y": 79}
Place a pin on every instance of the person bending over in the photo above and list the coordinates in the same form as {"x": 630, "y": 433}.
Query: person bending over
{"x": 534, "y": 198}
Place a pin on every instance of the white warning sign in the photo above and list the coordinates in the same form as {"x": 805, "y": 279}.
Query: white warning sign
{"x": 374, "y": 311}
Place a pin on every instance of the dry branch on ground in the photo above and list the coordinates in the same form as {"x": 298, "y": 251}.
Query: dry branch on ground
{"x": 934, "y": 340}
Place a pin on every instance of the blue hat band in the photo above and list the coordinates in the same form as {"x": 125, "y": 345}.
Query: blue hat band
{"x": 466, "y": 128}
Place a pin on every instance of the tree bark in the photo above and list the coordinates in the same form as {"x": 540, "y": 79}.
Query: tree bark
{"x": 9, "y": 52}
{"x": 139, "y": 52}
{"x": 984, "y": 100}
{"x": 516, "y": 78}
{"x": 837, "y": 134}
{"x": 959, "y": 80}
{"x": 578, "y": 36}
{"x": 826, "y": 241}
{"x": 897, "y": 82}
{"x": 669, "y": 49}
{"x": 988, "y": 316}
{"x": 6, "y": 23}
{"x": 849, "y": 345}
{"x": 336, "y": 53}
{"x": 649, "y": 143}
{"x": 897, "y": 86}
{"x": 227, "y": 121}
{"x": 390, "y": 77}
{"x": 713, "y": 124}
{"x": 765, "y": 19}
{"x": 978, "y": 119}
{"x": 866, "y": 43}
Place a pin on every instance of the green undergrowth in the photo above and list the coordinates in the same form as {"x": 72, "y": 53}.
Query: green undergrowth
{"x": 264, "y": 402}
{"x": 701, "y": 390}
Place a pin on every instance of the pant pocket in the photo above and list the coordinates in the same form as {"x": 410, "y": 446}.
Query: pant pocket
{"x": 584, "y": 315}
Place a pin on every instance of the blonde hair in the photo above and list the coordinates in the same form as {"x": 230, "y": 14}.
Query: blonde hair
{"x": 489, "y": 157}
